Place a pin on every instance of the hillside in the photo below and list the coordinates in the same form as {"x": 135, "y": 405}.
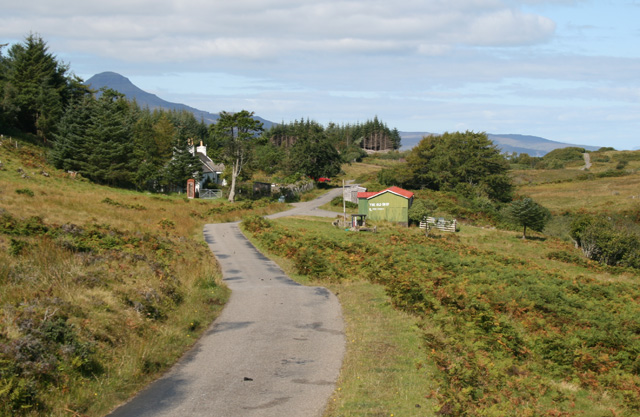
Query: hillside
{"x": 532, "y": 145}
{"x": 123, "y": 85}
{"x": 102, "y": 288}
{"x": 499, "y": 325}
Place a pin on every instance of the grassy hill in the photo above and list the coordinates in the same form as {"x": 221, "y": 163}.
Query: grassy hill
{"x": 101, "y": 289}
{"x": 481, "y": 322}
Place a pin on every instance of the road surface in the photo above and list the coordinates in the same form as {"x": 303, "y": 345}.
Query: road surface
{"x": 276, "y": 349}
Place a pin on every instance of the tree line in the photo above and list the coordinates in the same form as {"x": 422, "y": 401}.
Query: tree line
{"x": 110, "y": 140}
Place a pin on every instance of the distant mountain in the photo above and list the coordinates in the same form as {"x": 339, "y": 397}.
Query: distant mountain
{"x": 532, "y": 145}
{"x": 123, "y": 85}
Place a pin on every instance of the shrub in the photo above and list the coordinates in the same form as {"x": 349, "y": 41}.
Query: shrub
{"x": 128, "y": 206}
{"x": 256, "y": 224}
{"x": 309, "y": 261}
{"x": 421, "y": 209}
{"x": 47, "y": 346}
{"x": 567, "y": 257}
{"x": 166, "y": 224}
{"x": 627, "y": 156}
{"x": 565, "y": 154}
{"x": 25, "y": 191}
{"x": 338, "y": 201}
{"x": 17, "y": 247}
{"x": 501, "y": 331}
{"x": 622, "y": 164}
{"x": 601, "y": 240}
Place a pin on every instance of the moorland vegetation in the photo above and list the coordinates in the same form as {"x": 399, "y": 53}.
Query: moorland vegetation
{"x": 95, "y": 262}
{"x": 544, "y": 326}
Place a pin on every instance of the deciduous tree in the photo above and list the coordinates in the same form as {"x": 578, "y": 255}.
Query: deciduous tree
{"x": 468, "y": 163}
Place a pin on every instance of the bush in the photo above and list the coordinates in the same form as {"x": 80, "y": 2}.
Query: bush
{"x": 337, "y": 202}
{"x": 622, "y": 164}
{"x": 17, "y": 247}
{"x": 48, "y": 345}
{"x": 599, "y": 157}
{"x": 421, "y": 209}
{"x": 308, "y": 261}
{"x": 25, "y": 191}
{"x": 565, "y": 154}
{"x": 501, "y": 331}
{"x": 256, "y": 224}
{"x": 566, "y": 257}
{"x": 602, "y": 241}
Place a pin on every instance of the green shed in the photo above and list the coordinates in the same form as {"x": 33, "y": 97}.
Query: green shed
{"x": 391, "y": 204}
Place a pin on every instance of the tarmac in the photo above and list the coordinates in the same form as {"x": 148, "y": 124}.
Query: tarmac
{"x": 275, "y": 350}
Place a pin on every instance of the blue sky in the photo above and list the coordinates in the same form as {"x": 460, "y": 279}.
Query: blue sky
{"x": 566, "y": 70}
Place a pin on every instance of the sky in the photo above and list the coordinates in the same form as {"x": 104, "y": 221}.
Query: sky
{"x": 565, "y": 70}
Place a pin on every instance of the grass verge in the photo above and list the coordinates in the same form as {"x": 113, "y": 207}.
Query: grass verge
{"x": 382, "y": 373}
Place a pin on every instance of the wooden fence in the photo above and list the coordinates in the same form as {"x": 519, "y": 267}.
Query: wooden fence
{"x": 440, "y": 224}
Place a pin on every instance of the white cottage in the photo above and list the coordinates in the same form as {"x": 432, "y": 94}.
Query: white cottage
{"x": 210, "y": 170}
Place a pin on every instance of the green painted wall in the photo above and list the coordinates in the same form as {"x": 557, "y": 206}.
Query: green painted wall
{"x": 386, "y": 206}
{"x": 363, "y": 206}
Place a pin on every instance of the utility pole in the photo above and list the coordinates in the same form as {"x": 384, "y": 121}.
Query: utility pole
{"x": 344, "y": 205}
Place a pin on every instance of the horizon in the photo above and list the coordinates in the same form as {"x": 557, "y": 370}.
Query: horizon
{"x": 563, "y": 70}
{"x": 414, "y": 141}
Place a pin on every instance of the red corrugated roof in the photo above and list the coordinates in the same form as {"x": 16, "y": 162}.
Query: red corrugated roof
{"x": 400, "y": 191}
{"x": 395, "y": 190}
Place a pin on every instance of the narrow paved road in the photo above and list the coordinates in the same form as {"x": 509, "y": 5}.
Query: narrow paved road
{"x": 276, "y": 349}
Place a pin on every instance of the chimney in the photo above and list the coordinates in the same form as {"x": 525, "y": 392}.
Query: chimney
{"x": 202, "y": 149}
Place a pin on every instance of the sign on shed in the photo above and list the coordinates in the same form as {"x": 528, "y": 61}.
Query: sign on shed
{"x": 391, "y": 204}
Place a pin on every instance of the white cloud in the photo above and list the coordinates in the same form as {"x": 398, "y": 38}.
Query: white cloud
{"x": 525, "y": 66}
{"x": 256, "y": 29}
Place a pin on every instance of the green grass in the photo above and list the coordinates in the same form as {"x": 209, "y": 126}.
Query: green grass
{"x": 505, "y": 329}
{"x": 382, "y": 373}
{"x": 477, "y": 323}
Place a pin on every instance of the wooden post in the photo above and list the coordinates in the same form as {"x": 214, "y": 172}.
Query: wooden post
{"x": 344, "y": 205}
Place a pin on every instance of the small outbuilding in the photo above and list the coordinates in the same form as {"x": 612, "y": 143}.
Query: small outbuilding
{"x": 350, "y": 193}
{"x": 391, "y": 204}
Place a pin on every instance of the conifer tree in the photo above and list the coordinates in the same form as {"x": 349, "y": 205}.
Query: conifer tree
{"x": 109, "y": 141}
{"x": 184, "y": 165}
{"x": 71, "y": 148}
{"x": 153, "y": 137}
{"x": 36, "y": 87}
{"x": 527, "y": 213}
